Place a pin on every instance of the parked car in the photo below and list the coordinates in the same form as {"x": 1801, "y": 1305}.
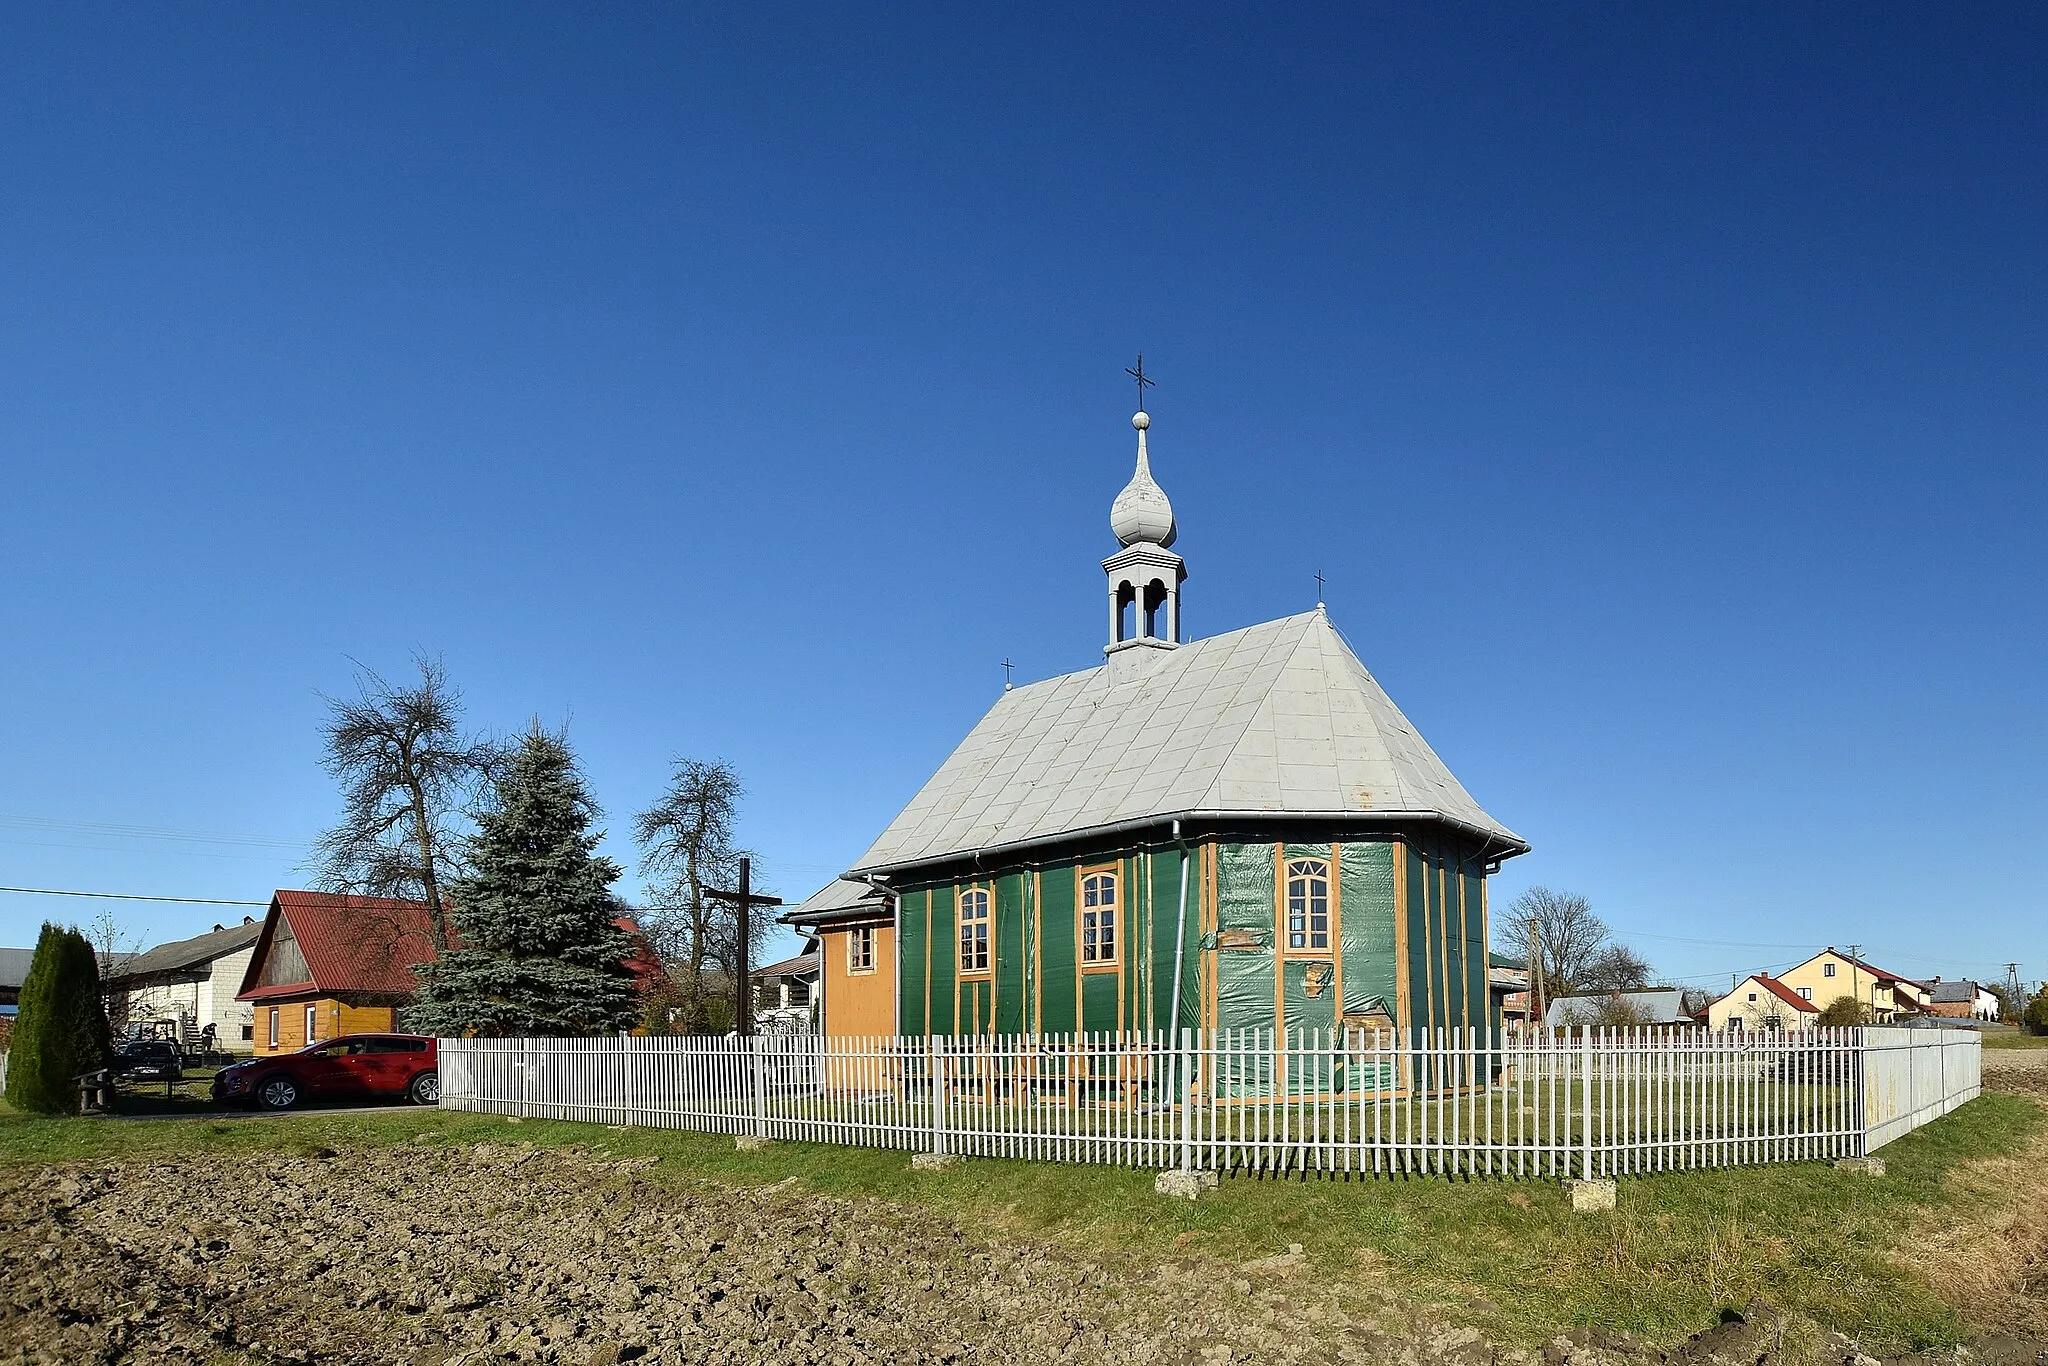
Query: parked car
{"x": 392, "y": 1066}
{"x": 151, "y": 1059}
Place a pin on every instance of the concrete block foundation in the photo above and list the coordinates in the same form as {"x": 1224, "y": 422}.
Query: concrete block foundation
{"x": 1591, "y": 1197}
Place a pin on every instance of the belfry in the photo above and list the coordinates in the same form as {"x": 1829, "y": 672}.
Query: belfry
{"x": 1241, "y": 831}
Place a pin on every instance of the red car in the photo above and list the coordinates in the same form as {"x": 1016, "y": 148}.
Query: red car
{"x": 354, "y": 1065}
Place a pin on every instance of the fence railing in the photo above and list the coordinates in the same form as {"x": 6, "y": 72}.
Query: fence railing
{"x": 1587, "y": 1102}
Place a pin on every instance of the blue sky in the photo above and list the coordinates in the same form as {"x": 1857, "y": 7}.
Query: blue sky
{"x": 1661, "y": 391}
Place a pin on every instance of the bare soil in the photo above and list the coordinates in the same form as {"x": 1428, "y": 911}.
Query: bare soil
{"x": 444, "y": 1254}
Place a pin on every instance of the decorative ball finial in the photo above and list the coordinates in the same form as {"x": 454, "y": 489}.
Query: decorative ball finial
{"x": 1141, "y": 419}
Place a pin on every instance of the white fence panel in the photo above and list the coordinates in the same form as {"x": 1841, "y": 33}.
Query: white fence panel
{"x": 1584, "y": 1103}
{"x": 1912, "y": 1076}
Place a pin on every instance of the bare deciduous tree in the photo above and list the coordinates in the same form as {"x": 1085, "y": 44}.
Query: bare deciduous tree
{"x": 113, "y": 944}
{"x": 686, "y": 842}
{"x": 1616, "y": 967}
{"x": 409, "y": 777}
{"x": 1568, "y": 935}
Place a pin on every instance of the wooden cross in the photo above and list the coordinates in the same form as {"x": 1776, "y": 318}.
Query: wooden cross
{"x": 745, "y": 900}
{"x": 1143, "y": 383}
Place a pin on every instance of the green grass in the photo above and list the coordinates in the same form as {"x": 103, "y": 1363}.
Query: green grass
{"x": 1508, "y": 1257}
{"x": 2014, "y": 1038}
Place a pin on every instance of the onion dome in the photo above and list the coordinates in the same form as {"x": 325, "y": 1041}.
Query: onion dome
{"x": 1141, "y": 512}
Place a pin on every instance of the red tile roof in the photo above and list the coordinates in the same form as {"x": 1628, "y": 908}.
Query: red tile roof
{"x": 370, "y": 944}
{"x": 1785, "y": 994}
{"x": 1874, "y": 970}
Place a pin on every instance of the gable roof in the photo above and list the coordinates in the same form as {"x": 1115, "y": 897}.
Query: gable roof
{"x": 802, "y": 965}
{"x": 1779, "y": 990}
{"x": 14, "y": 967}
{"x": 1956, "y": 993}
{"x": 181, "y": 954}
{"x": 1271, "y": 720}
{"x": 350, "y": 943}
{"x": 1862, "y": 965}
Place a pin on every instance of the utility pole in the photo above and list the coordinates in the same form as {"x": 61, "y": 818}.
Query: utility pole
{"x": 2012, "y": 986}
{"x": 745, "y": 900}
{"x": 1537, "y": 985}
{"x": 1856, "y": 983}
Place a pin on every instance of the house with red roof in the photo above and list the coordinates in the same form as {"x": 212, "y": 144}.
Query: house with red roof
{"x": 328, "y": 964}
{"x": 1765, "y": 1004}
{"x": 1830, "y": 975}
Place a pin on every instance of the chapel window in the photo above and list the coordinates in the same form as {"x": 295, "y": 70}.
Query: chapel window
{"x": 1098, "y": 918}
{"x": 1308, "y": 904}
{"x": 974, "y": 931}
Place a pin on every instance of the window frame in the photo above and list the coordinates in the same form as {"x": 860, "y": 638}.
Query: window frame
{"x": 985, "y": 921}
{"x": 863, "y": 935}
{"x": 1112, "y": 960}
{"x": 312, "y": 1024}
{"x": 1827, "y": 969}
{"x": 1283, "y": 911}
{"x": 273, "y": 1026}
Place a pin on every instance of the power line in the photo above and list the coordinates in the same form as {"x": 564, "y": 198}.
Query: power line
{"x": 132, "y": 896}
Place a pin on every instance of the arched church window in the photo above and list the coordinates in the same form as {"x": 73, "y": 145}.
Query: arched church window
{"x": 974, "y": 931}
{"x": 1308, "y": 904}
{"x": 1098, "y": 918}
{"x": 1126, "y": 611}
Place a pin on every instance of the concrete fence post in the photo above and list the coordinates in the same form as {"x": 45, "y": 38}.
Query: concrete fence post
{"x": 1585, "y": 1102}
{"x": 760, "y": 1085}
{"x": 932, "y": 1066}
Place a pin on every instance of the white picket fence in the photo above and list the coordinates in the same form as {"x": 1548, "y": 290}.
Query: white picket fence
{"x": 1587, "y": 1102}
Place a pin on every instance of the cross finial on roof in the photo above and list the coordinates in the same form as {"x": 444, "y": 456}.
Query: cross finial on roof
{"x": 1143, "y": 383}
{"x": 1007, "y": 666}
{"x": 1319, "y": 588}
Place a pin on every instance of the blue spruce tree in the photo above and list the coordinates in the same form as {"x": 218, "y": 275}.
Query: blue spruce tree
{"x": 538, "y": 951}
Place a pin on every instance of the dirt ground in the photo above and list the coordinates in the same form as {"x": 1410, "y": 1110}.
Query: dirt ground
{"x": 503, "y": 1252}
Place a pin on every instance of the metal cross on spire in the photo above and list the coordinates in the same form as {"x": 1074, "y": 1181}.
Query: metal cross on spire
{"x": 1319, "y": 588}
{"x": 1007, "y": 666}
{"x": 1143, "y": 383}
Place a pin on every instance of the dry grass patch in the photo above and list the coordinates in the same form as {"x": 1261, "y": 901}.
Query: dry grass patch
{"x": 1986, "y": 1247}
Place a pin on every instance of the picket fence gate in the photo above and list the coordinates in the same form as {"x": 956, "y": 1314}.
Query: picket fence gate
{"x": 1585, "y": 1102}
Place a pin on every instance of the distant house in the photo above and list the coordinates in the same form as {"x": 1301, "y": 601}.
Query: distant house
{"x": 1762, "y": 1004}
{"x": 184, "y": 987}
{"x": 327, "y": 964}
{"x": 786, "y": 995}
{"x": 1828, "y": 976}
{"x": 1654, "y": 1006}
{"x": 1507, "y": 981}
{"x": 1964, "y": 1000}
{"x": 13, "y": 972}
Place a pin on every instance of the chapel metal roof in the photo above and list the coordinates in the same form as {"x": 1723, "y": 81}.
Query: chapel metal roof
{"x": 1276, "y": 719}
